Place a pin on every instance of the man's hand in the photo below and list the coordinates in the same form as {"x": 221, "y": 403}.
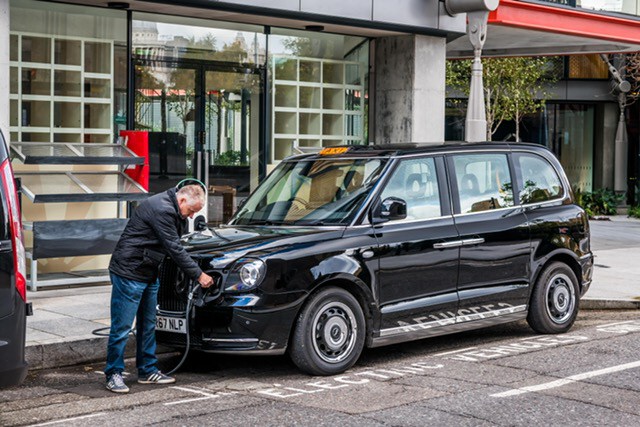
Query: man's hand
{"x": 205, "y": 280}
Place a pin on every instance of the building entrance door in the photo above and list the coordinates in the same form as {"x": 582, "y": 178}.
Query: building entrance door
{"x": 203, "y": 122}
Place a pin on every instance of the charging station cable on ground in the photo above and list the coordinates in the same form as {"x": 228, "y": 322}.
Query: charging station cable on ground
{"x": 100, "y": 331}
{"x": 188, "y": 337}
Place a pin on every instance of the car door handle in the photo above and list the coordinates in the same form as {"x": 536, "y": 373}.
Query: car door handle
{"x": 448, "y": 245}
{"x": 471, "y": 242}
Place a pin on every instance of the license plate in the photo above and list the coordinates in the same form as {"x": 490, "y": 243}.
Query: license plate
{"x": 171, "y": 324}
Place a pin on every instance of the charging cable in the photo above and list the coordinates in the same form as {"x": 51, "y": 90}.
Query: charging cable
{"x": 100, "y": 331}
{"x": 188, "y": 337}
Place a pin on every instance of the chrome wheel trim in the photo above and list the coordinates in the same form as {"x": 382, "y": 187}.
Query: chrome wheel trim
{"x": 560, "y": 298}
{"x": 334, "y": 332}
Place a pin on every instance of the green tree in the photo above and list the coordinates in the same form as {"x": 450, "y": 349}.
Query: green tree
{"x": 513, "y": 87}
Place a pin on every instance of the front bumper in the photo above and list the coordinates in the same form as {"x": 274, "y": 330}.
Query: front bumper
{"x": 218, "y": 329}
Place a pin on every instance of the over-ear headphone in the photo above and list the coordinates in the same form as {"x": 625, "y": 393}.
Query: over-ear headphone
{"x": 191, "y": 181}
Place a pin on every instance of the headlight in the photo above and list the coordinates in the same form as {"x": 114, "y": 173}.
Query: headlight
{"x": 246, "y": 274}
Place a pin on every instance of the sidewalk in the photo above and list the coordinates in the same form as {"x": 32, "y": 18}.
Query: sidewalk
{"x": 60, "y": 331}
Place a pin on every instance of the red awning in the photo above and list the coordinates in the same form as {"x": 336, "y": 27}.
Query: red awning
{"x": 518, "y": 28}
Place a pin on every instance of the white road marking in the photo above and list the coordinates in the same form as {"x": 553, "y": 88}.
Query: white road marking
{"x": 195, "y": 399}
{"x": 568, "y": 380}
{"x": 620, "y": 327}
{"x": 99, "y": 414}
{"x": 455, "y": 351}
{"x": 615, "y": 324}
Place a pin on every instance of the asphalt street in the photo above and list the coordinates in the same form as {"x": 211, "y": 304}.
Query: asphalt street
{"x": 503, "y": 376}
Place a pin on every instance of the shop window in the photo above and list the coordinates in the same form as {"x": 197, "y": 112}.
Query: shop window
{"x": 318, "y": 83}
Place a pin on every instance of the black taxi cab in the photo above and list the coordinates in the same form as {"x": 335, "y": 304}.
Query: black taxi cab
{"x": 364, "y": 246}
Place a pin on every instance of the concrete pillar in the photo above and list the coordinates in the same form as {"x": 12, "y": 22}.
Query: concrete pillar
{"x": 409, "y": 89}
{"x": 4, "y": 68}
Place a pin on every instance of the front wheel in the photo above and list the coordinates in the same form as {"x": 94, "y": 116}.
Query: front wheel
{"x": 329, "y": 333}
{"x": 554, "y": 302}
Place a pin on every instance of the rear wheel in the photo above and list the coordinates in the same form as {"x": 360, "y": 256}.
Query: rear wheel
{"x": 329, "y": 333}
{"x": 554, "y": 302}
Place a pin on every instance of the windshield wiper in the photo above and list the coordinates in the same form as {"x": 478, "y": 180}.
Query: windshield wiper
{"x": 311, "y": 223}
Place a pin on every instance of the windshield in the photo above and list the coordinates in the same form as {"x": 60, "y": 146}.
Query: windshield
{"x": 313, "y": 192}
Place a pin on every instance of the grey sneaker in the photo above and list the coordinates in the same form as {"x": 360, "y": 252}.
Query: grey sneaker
{"x": 157, "y": 378}
{"x": 116, "y": 384}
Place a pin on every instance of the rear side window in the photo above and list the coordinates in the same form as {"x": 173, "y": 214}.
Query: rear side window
{"x": 415, "y": 182}
{"x": 484, "y": 182}
{"x": 540, "y": 182}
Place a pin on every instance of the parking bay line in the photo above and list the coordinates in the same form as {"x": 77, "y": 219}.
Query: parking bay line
{"x": 568, "y": 380}
{"x": 70, "y": 419}
{"x": 206, "y": 396}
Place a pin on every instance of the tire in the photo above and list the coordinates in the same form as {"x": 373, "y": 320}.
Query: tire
{"x": 555, "y": 300}
{"x": 329, "y": 333}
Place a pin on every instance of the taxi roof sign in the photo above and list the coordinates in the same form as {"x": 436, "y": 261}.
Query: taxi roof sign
{"x": 329, "y": 151}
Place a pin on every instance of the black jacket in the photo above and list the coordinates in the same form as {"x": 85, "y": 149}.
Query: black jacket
{"x": 153, "y": 231}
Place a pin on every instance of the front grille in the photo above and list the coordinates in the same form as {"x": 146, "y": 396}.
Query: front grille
{"x": 174, "y": 287}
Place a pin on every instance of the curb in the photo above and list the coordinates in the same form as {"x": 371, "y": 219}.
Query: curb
{"x": 70, "y": 353}
{"x": 609, "y": 304}
{"x": 66, "y": 353}
{"x": 77, "y": 352}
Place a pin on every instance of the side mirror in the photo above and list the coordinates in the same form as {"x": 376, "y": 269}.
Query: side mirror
{"x": 390, "y": 209}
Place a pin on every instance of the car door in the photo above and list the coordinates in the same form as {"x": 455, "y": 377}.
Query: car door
{"x": 494, "y": 236}
{"x": 417, "y": 270}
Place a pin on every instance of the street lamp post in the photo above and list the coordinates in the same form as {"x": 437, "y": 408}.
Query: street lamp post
{"x": 621, "y": 143}
{"x": 476, "y": 122}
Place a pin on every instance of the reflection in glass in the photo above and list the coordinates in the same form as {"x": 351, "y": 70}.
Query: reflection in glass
{"x": 165, "y": 106}
{"x": 157, "y": 37}
{"x": 415, "y": 182}
{"x": 484, "y": 182}
{"x": 228, "y": 112}
{"x": 570, "y": 135}
{"x": 540, "y": 180}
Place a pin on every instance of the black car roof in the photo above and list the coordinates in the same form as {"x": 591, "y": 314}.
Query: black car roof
{"x": 406, "y": 149}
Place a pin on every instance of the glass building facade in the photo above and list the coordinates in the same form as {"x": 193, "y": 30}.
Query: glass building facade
{"x": 223, "y": 102}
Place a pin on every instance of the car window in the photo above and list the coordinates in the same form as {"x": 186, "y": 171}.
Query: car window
{"x": 484, "y": 182}
{"x": 415, "y": 182}
{"x": 312, "y": 192}
{"x": 540, "y": 182}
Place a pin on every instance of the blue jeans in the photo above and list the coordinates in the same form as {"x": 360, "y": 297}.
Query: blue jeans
{"x": 131, "y": 299}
